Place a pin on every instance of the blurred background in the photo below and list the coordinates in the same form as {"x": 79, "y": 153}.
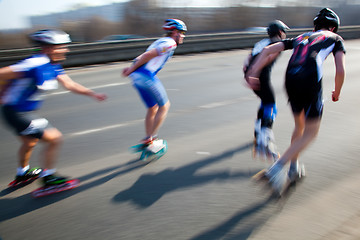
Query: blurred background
{"x": 108, "y": 20}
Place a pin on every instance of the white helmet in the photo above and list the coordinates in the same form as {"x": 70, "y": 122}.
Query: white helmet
{"x": 172, "y": 23}
{"x": 50, "y": 37}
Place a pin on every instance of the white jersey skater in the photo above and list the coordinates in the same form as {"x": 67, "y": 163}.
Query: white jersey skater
{"x": 165, "y": 48}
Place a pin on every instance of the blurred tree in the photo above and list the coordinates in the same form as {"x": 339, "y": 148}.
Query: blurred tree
{"x": 90, "y": 30}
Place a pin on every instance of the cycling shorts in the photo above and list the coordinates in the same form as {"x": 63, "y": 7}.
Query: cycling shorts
{"x": 25, "y": 123}
{"x": 305, "y": 94}
{"x": 151, "y": 89}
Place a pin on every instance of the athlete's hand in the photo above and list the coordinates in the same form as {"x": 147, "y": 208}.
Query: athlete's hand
{"x": 335, "y": 96}
{"x": 99, "y": 96}
{"x": 252, "y": 78}
{"x": 254, "y": 83}
{"x": 126, "y": 72}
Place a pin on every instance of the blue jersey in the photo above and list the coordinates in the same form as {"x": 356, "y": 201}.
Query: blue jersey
{"x": 38, "y": 75}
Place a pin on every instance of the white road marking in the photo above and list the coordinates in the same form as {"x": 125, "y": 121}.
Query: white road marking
{"x": 92, "y": 88}
{"x": 120, "y": 125}
{"x": 220, "y": 104}
{"x": 203, "y": 153}
{"x": 104, "y": 128}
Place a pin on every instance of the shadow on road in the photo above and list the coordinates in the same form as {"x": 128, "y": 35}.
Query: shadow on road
{"x": 226, "y": 227}
{"x": 151, "y": 187}
{"x": 14, "y": 207}
{"x": 147, "y": 190}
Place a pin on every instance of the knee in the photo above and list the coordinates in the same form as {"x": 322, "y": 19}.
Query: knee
{"x": 53, "y": 137}
{"x": 153, "y": 110}
{"x": 58, "y": 138}
{"x": 166, "y": 106}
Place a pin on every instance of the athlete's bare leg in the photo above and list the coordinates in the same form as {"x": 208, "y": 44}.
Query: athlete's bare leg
{"x": 26, "y": 149}
{"x": 160, "y": 117}
{"x": 150, "y": 120}
{"x": 53, "y": 139}
{"x": 155, "y": 117}
{"x": 299, "y": 120}
{"x": 311, "y": 130}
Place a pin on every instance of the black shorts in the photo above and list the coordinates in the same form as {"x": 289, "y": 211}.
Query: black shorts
{"x": 266, "y": 92}
{"x": 25, "y": 123}
{"x": 305, "y": 94}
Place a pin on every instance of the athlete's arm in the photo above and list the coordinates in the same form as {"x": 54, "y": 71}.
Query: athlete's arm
{"x": 339, "y": 74}
{"x": 75, "y": 87}
{"x": 6, "y": 73}
{"x": 141, "y": 60}
{"x": 267, "y": 55}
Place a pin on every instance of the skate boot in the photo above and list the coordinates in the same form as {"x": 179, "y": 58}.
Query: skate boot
{"x": 296, "y": 172}
{"x": 278, "y": 178}
{"x": 155, "y": 150}
{"x": 256, "y": 142}
{"x": 269, "y": 144}
{"x": 156, "y": 145}
{"x": 265, "y": 145}
{"x": 54, "y": 184}
{"x": 143, "y": 144}
{"x": 28, "y": 177}
{"x": 52, "y": 180}
{"x": 257, "y": 128}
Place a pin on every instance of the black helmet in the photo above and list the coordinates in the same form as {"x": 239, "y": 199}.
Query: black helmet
{"x": 326, "y": 17}
{"x": 50, "y": 37}
{"x": 275, "y": 27}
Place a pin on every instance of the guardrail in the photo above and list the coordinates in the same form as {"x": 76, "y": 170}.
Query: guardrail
{"x": 102, "y": 52}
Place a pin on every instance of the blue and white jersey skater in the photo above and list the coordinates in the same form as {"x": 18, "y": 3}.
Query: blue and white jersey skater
{"x": 144, "y": 78}
{"x": 38, "y": 76}
{"x": 25, "y": 94}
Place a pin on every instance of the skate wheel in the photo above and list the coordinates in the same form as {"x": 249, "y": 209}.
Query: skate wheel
{"x": 45, "y": 191}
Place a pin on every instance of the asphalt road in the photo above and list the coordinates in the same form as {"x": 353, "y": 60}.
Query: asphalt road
{"x": 202, "y": 188}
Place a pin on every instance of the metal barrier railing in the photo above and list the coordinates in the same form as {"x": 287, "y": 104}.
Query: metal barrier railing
{"x": 102, "y": 52}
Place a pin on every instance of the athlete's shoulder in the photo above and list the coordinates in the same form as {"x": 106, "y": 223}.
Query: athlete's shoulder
{"x": 30, "y": 63}
{"x": 337, "y": 36}
{"x": 259, "y": 46}
{"x": 165, "y": 44}
{"x": 165, "y": 41}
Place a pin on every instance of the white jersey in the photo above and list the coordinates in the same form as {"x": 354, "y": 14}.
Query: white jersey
{"x": 165, "y": 48}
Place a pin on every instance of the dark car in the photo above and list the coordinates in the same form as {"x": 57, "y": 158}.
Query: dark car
{"x": 120, "y": 37}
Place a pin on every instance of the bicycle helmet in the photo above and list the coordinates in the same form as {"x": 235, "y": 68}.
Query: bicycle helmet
{"x": 50, "y": 37}
{"x": 275, "y": 27}
{"x": 326, "y": 17}
{"x": 171, "y": 24}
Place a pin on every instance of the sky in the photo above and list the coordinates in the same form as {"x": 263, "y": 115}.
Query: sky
{"x": 14, "y": 13}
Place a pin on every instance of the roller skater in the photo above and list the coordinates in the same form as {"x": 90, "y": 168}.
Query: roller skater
{"x": 143, "y": 74}
{"x": 26, "y": 84}
{"x": 304, "y": 87}
{"x": 264, "y": 141}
